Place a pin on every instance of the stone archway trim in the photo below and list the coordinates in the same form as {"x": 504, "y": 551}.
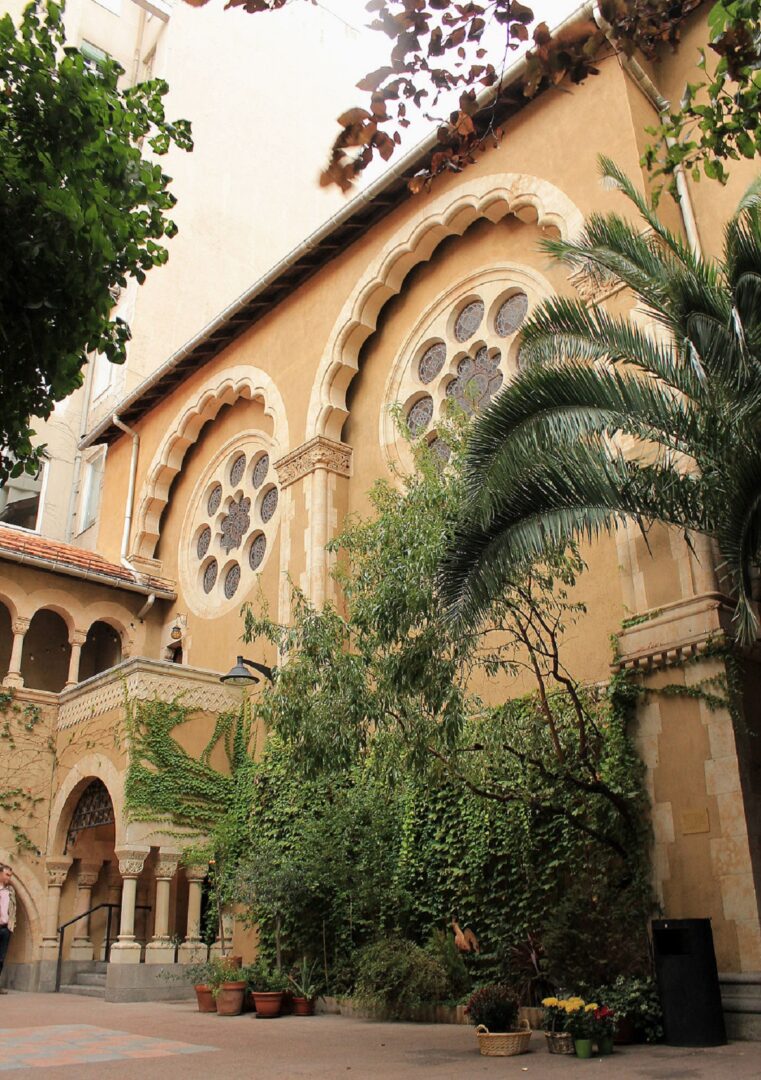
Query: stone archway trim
{"x": 30, "y": 893}
{"x": 491, "y": 197}
{"x": 220, "y": 388}
{"x": 90, "y": 767}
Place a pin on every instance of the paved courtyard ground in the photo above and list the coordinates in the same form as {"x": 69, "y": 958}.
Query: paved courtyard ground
{"x": 48, "y": 1036}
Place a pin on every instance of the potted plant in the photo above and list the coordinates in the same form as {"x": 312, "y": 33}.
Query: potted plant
{"x": 267, "y": 987}
{"x": 580, "y": 1024}
{"x": 305, "y": 987}
{"x": 494, "y": 1011}
{"x": 603, "y": 1029}
{"x": 202, "y": 977}
{"x": 634, "y": 999}
{"x": 559, "y": 1038}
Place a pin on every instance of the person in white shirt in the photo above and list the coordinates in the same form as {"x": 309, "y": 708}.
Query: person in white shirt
{"x": 7, "y": 913}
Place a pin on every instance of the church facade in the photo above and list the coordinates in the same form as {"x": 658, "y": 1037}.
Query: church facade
{"x": 230, "y": 467}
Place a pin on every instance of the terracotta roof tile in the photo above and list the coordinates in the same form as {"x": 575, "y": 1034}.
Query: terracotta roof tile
{"x": 33, "y": 550}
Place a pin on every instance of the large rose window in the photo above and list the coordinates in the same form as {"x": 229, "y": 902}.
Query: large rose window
{"x": 230, "y": 529}
{"x": 465, "y": 351}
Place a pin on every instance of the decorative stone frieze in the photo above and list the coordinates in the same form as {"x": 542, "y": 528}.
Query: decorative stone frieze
{"x": 145, "y": 680}
{"x": 592, "y": 289}
{"x": 317, "y": 453}
{"x": 674, "y": 633}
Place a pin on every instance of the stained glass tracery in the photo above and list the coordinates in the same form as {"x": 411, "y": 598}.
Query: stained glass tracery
{"x": 511, "y": 314}
{"x": 420, "y": 414}
{"x": 235, "y": 524}
{"x": 469, "y": 320}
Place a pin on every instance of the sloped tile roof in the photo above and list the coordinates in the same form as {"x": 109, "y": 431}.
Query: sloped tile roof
{"x": 41, "y": 553}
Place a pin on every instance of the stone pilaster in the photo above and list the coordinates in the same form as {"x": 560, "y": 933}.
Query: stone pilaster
{"x": 81, "y": 946}
{"x": 160, "y": 950}
{"x": 57, "y": 871}
{"x": 193, "y": 949}
{"x": 126, "y": 950}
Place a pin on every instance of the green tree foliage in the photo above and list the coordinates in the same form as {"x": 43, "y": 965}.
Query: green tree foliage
{"x": 719, "y": 117}
{"x": 607, "y": 422}
{"x": 391, "y": 664}
{"x": 81, "y": 211}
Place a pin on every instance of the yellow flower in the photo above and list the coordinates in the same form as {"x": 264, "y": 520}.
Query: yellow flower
{"x": 550, "y": 1001}
{"x": 591, "y": 1008}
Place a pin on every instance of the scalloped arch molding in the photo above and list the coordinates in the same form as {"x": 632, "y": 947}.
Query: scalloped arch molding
{"x": 491, "y": 197}
{"x": 220, "y": 388}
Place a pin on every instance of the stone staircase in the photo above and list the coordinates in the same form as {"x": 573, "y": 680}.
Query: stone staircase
{"x": 89, "y": 983}
{"x": 741, "y": 998}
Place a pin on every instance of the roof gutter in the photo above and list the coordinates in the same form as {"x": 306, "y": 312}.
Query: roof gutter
{"x": 39, "y": 562}
{"x": 663, "y": 106}
{"x": 372, "y": 191}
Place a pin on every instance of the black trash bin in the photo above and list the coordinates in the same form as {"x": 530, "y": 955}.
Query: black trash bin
{"x": 688, "y": 981}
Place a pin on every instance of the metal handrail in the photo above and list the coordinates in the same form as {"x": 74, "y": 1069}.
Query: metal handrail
{"x": 83, "y": 915}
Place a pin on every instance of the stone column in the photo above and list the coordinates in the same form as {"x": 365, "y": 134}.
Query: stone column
{"x": 126, "y": 950}
{"x": 19, "y": 628}
{"x": 57, "y": 871}
{"x": 113, "y": 896}
{"x": 76, "y": 640}
{"x": 160, "y": 950}
{"x": 192, "y": 949}
{"x": 81, "y": 946}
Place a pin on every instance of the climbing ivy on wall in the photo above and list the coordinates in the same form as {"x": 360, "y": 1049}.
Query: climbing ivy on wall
{"x": 26, "y": 750}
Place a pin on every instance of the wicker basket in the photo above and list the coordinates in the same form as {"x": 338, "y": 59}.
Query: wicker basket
{"x": 504, "y": 1043}
{"x": 560, "y": 1042}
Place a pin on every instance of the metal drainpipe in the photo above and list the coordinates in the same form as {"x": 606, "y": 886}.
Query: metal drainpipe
{"x": 130, "y": 490}
{"x": 663, "y": 106}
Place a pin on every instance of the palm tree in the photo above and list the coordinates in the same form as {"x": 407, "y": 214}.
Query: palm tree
{"x": 607, "y": 422}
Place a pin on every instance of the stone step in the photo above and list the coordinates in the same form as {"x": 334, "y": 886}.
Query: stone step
{"x": 101, "y": 967}
{"x": 90, "y": 978}
{"x": 85, "y": 991}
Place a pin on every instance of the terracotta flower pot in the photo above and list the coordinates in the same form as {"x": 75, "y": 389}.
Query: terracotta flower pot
{"x": 205, "y": 999}
{"x": 268, "y": 1004}
{"x": 303, "y": 1006}
{"x": 230, "y": 998}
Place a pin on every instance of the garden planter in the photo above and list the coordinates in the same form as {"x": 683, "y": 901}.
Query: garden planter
{"x": 605, "y": 1046}
{"x": 626, "y": 1032}
{"x": 205, "y": 999}
{"x": 559, "y": 1042}
{"x": 583, "y": 1048}
{"x": 303, "y": 1006}
{"x": 268, "y": 1004}
{"x": 230, "y": 998}
{"x": 504, "y": 1043}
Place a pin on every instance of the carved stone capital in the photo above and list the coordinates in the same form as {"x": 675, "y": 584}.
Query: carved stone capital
{"x": 196, "y": 873}
{"x": 57, "y": 871}
{"x": 131, "y": 861}
{"x": 20, "y": 625}
{"x": 315, "y": 454}
{"x": 166, "y": 867}
{"x": 78, "y": 637}
{"x": 87, "y": 876}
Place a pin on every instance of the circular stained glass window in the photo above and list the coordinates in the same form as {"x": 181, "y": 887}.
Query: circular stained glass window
{"x": 237, "y": 469}
{"x": 431, "y": 362}
{"x": 256, "y": 551}
{"x": 469, "y": 320}
{"x": 269, "y": 504}
{"x": 511, "y": 314}
{"x": 203, "y": 542}
{"x": 215, "y": 499}
{"x": 477, "y": 381}
{"x": 232, "y": 581}
{"x": 440, "y": 449}
{"x": 210, "y": 576}
{"x": 419, "y": 416}
{"x": 260, "y": 470}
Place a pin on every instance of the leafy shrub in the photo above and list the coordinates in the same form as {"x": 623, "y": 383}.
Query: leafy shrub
{"x": 495, "y": 1006}
{"x": 395, "y": 974}
{"x": 442, "y": 948}
{"x": 636, "y": 999}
